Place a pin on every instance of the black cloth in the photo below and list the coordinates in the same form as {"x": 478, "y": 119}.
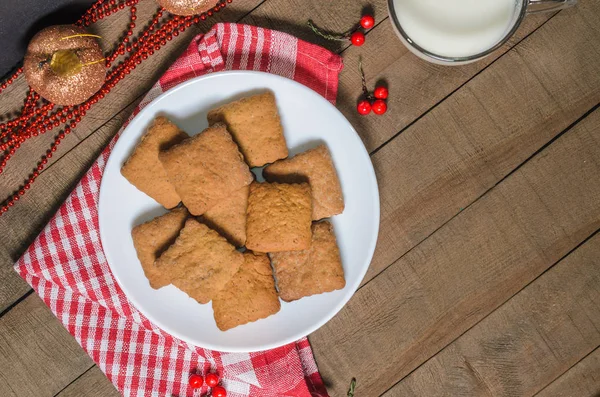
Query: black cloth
{"x": 20, "y": 20}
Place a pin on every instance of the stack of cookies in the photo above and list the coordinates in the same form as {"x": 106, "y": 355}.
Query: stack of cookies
{"x": 227, "y": 238}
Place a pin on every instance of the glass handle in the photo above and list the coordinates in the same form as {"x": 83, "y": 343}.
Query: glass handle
{"x": 535, "y": 6}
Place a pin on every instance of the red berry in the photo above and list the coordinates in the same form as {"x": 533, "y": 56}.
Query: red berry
{"x": 381, "y": 93}
{"x": 196, "y": 381}
{"x": 212, "y": 379}
{"x": 379, "y": 107}
{"x": 367, "y": 21}
{"x": 219, "y": 391}
{"x": 357, "y": 38}
{"x": 364, "y": 107}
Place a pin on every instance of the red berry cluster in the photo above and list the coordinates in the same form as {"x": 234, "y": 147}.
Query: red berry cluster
{"x": 40, "y": 117}
{"x": 355, "y": 35}
{"x": 358, "y": 37}
{"x": 212, "y": 380}
{"x": 376, "y": 101}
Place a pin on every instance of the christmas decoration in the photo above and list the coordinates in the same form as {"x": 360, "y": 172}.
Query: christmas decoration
{"x": 367, "y": 21}
{"x": 364, "y": 107}
{"x": 372, "y": 102}
{"x": 196, "y": 381}
{"x": 64, "y": 64}
{"x": 186, "y": 7}
{"x": 39, "y": 116}
{"x": 212, "y": 379}
{"x": 354, "y": 34}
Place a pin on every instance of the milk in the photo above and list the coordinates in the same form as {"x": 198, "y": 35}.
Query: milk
{"x": 456, "y": 28}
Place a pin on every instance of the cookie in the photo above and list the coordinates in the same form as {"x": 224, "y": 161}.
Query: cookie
{"x": 255, "y": 125}
{"x": 229, "y": 217}
{"x": 200, "y": 262}
{"x": 315, "y": 167}
{"x": 150, "y": 239}
{"x": 249, "y": 296}
{"x": 206, "y": 168}
{"x": 313, "y": 271}
{"x": 279, "y": 217}
{"x": 143, "y": 169}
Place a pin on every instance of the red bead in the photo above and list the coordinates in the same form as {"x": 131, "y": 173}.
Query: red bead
{"x": 381, "y": 93}
{"x": 379, "y": 107}
{"x": 212, "y": 380}
{"x": 196, "y": 381}
{"x": 219, "y": 391}
{"x": 364, "y": 107}
{"x": 357, "y": 38}
{"x": 367, "y": 21}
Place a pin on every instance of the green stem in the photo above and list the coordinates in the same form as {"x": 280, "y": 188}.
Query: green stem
{"x": 363, "y": 80}
{"x": 328, "y": 35}
{"x": 352, "y": 386}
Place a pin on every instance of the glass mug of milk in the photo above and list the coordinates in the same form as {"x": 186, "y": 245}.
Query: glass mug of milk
{"x": 455, "y": 32}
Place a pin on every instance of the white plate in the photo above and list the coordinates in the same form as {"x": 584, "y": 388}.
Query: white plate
{"x": 308, "y": 120}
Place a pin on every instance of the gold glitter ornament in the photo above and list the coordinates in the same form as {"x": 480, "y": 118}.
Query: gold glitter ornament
{"x": 187, "y": 7}
{"x": 64, "y": 64}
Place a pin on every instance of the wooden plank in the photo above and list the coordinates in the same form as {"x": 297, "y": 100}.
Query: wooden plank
{"x": 526, "y": 343}
{"x": 467, "y": 268}
{"x": 415, "y": 85}
{"x": 41, "y": 202}
{"x": 581, "y": 380}
{"x": 467, "y": 144}
{"x": 291, "y": 16}
{"x": 92, "y": 383}
{"x": 38, "y": 357}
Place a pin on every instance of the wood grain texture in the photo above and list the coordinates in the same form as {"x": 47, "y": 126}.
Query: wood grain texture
{"x": 581, "y": 380}
{"x": 415, "y": 85}
{"x": 526, "y": 343}
{"x": 440, "y": 165}
{"x": 473, "y": 139}
{"x": 93, "y": 383}
{"x": 38, "y": 357}
{"x": 467, "y": 268}
{"x": 291, "y": 16}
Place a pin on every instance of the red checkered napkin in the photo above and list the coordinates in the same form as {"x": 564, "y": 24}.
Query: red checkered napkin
{"x": 68, "y": 269}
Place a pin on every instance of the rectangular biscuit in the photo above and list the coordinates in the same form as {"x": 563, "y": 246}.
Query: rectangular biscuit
{"x": 150, "y": 239}
{"x": 255, "y": 125}
{"x": 143, "y": 169}
{"x": 312, "y": 271}
{"x": 250, "y": 295}
{"x": 228, "y": 217}
{"x": 279, "y": 217}
{"x": 200, "y": 262}
{"x": 206, "y": 168}
{"x": 314, "y": 166}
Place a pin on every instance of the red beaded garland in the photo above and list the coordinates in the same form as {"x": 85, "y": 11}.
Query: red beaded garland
{"x": 39, "y": 116}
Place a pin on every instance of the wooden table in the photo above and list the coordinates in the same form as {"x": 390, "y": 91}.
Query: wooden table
{"x": 486, "y": 277}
